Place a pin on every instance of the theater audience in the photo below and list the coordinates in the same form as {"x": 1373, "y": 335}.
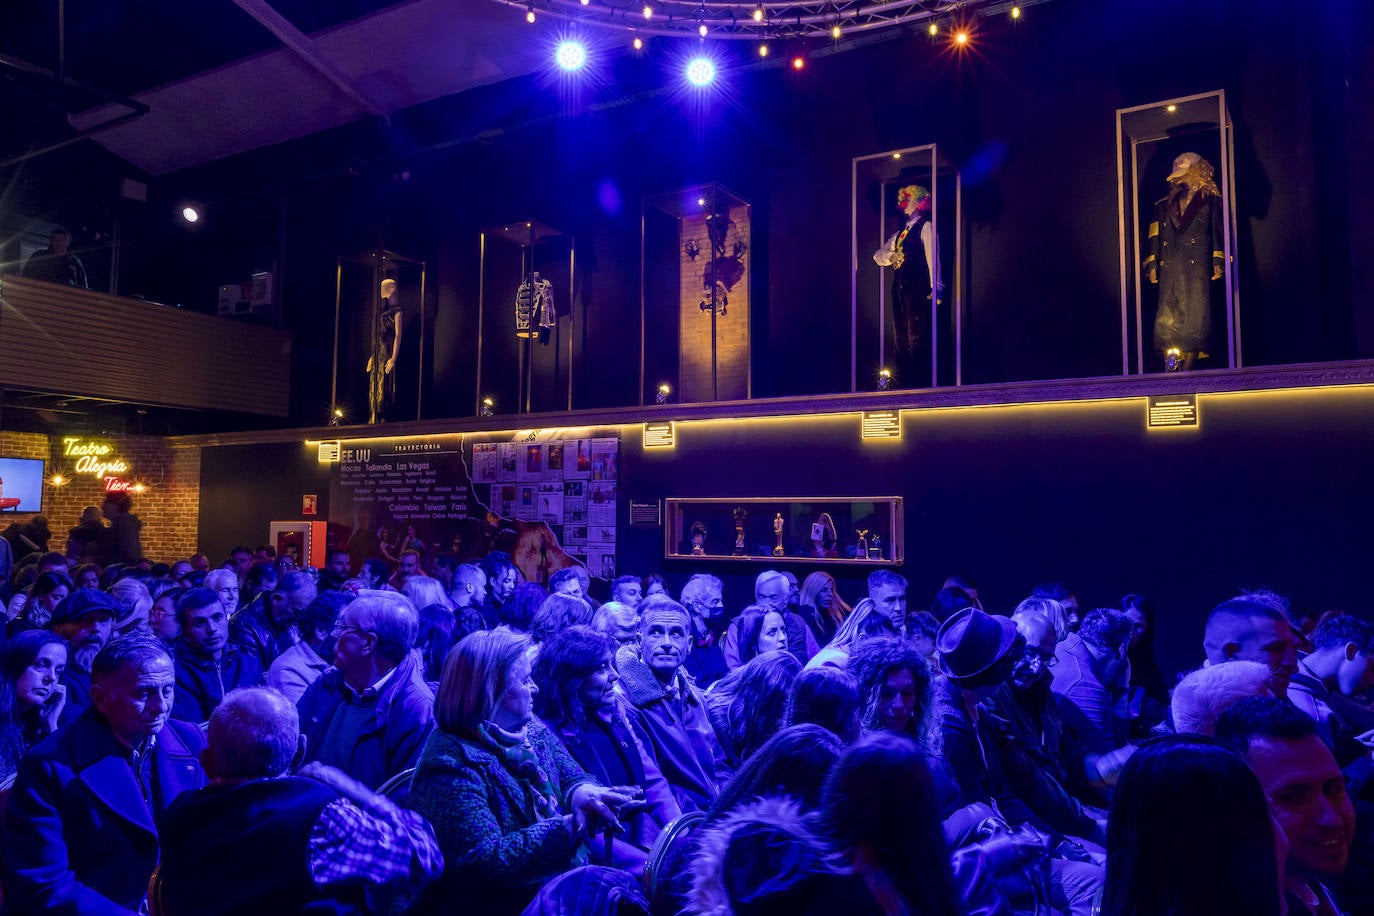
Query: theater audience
{"x": 162, "y": 616}
{"x": 87, "y": 575}
{"x": 821, "y": 607}
{"x": 518, "y": 611}
{"x": 80, "y": 832}
{"x": 760, "y": 630}
{"x": 1048, "y": 608}
{"x": 654, "y": 584}
{"x": 84, "y": 619}
{"x": 370, "y": 714}
{"x": 627, "y": 590}
{"x": 1203, "y": 695}
{"x": 747, "y": 706}
{"x": 49, "y": 589}
{"x": 577, "y": 701}
{"x": 207, "y": 665}
{"x": 770, "y": 593}
{"x": 828, "y": 697}
{"x": 32, "y": 696}
{"x": 1306, "y": 793}
{"x": 303, "y": 664}
{"x": 1190, "y": 834}
{"x": 1331, "y": 679}
{"x": 618, "y": 621}
{"x": 864, "y": 622}
{"x": 666, "y": 709}
{"x": 703, "y": 597}
{"x": 225, "y": 583}
{"x": 422, "y": 591}
{"x": 122, "y": 541}
{"x": 558, "y": 612}
{"x": 509, "y": 805}
{"x": 1089, "y": 682}
{"x": 1248, "y": 630}
{"x": 260, "y": 840}
{"x": 266, "y": 629}
{"x": 469, "y": 593}
{"x": 337, "y": 569}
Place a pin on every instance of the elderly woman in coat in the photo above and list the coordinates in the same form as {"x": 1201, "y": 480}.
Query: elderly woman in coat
{"x": 510, "y": 807}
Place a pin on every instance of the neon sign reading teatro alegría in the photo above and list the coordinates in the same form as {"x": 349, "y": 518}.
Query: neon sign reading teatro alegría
{"x": 97, "y": 459}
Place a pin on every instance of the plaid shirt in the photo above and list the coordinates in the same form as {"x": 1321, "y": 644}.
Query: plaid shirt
{"x": 349, "y": 844}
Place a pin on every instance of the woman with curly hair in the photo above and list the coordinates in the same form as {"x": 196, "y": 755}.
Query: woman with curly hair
{"x": 747, "y": 706}
{"x": 821, "y": 606}
{"x": 895, "y": 686}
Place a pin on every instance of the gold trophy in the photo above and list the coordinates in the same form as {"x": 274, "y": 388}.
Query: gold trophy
{"x": 777, "y": 533}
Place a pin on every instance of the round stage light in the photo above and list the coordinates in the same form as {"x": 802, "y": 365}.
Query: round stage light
{"x": 763, "y": 50}
{"x": 961, "y": 37}
{"x": 639, "y": 44}
{"x": 190, "y": 214}
{"x": 701, "y": 71}
{"x": 702, "y": 30}
{"x": 798, "y": 62}
{"x": 570, "y": 55}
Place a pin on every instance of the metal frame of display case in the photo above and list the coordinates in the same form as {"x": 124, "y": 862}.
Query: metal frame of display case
{"x": 526, "y": 234}
{"x": 674, "y": 203}
{"x": 378, "y": 258}
{"x": 672, "y": 535}
{"x": 1145, "y": 124}
{"x": 938, "y": 166}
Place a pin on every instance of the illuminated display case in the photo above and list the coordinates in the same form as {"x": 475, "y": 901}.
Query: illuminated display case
{"x": 358, "y": 313}
{"x": 525, "y": 349}
{"x": 695, "y": 275}
{"x": 1149, "y": 140}
{"x": 938, "y": 355}
{"x": 807, "y": 529}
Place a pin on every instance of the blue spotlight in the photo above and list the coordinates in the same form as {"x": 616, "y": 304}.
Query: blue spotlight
{"x": 570, "y": 55}
{"x": 701, "y": 71}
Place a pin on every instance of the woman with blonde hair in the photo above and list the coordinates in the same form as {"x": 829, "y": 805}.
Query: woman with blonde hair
{"x": 424, "y": 591}
{"x": 821, "y": 606}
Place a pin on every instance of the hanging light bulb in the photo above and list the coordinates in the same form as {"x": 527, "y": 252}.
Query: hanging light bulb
{"x": 702, "y": 30}
{"x": 758, "y": 13}
{"x": 648, "y": 11}
{"x": 1016, "y": 12}
{"x": 763, "y": 50}
{"x": 835, "y": 31}
{"x": 529, "y": 16}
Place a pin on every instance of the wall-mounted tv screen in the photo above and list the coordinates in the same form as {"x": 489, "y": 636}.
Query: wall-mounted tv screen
{"x": 21, "y": 485}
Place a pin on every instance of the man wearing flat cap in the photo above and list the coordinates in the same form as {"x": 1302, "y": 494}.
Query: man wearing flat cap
{"x": 85, "y": 619}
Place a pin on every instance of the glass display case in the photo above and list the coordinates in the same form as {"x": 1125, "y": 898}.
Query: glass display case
{"x": 896, "y": 323}
{"x": 1177, "y": 307}
{"x": 525, "y": 317}
{"x": 807, "y": 529}
{"x": 694, "y": 295}
{"x": 380, "y": 332}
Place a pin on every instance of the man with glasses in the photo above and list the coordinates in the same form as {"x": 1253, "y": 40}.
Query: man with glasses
{"x": 1028, "y": 730}
{"x": 372, "y": 712}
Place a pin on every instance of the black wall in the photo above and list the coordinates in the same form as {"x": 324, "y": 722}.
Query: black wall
{"x": 1272, "y": 490}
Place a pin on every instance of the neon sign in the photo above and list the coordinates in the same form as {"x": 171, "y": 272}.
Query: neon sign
{"x": 97, "y": 459}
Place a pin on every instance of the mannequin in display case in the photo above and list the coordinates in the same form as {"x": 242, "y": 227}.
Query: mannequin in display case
{"x": 912, "y": 273}
{"x": 386, "y": 348}
{"x": 1185, "y": 256}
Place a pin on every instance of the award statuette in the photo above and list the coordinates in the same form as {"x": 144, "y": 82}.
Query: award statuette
{"x": 740, "y": 514}
{"x": 698, "y": 539}
{"x": 875, "y": 548}
{"x": 861, "y": 549}
{"x": 777, "y": 532}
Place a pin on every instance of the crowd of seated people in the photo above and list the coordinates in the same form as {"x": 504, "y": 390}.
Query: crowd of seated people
{"x": 416, "y": 734}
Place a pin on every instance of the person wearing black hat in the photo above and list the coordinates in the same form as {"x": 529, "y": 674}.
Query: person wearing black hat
{"x": 85, "y": 619}
{"x": 978, "y": 652}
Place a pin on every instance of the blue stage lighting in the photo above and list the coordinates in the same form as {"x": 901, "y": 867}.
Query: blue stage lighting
{"x": 571, "y": 55}
{"x": 701, "y": 71}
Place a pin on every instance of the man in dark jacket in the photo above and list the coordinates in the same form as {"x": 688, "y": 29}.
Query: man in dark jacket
{"x": 208, "y": 666}
{"x": 313, "y": 824}
{"x": 79, "y": 833}
{"x": 123, "y": 541}
{"x": 267, "y": 628}
{"x": 371, "y": 714}
{"x": 664, "y": 707}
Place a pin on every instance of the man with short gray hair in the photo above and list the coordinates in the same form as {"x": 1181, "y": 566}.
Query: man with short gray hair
{"x": 314, "y": 824}
{"x": 370, "y": 715}
{"x": 770, "y": 593}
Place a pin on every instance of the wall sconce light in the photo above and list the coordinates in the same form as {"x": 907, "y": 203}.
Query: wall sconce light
{"x": 336, "y": 416}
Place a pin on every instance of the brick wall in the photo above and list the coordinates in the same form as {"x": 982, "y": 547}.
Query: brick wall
{"x": 169, "y": 506}
{"x": 732, "y": 329}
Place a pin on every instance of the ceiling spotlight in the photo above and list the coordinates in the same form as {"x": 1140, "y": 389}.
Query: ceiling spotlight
{"x": 529, "y": 16}
{"x": 896, "y": 155}
{"x": 798, "y": 62}
{"x": 934, "y": 29}
{"x": 190, "y": 214}
{"x": 701, "y": 201}
{"x": 961, "y": 37}
{"x": 570, "y": 55}
{"x": 701, "y": 30}
{"x": 1171, "y": 109}
{"x": 758, "y": 14}
{"x": 701, "y": 71}
{"x": 586, "y": 2}
{"x": 763, "y": 50}
{"x": 639, "y": 44}
{"x": 835, "y": 31}
{"x": 648, "y": 11}
{"x": 1016, "y": 12}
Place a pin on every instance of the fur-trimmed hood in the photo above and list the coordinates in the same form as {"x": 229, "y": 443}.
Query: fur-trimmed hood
{"x": 782, "y": 853}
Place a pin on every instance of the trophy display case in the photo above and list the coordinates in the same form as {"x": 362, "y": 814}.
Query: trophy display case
{"x": 807, "y": 529}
